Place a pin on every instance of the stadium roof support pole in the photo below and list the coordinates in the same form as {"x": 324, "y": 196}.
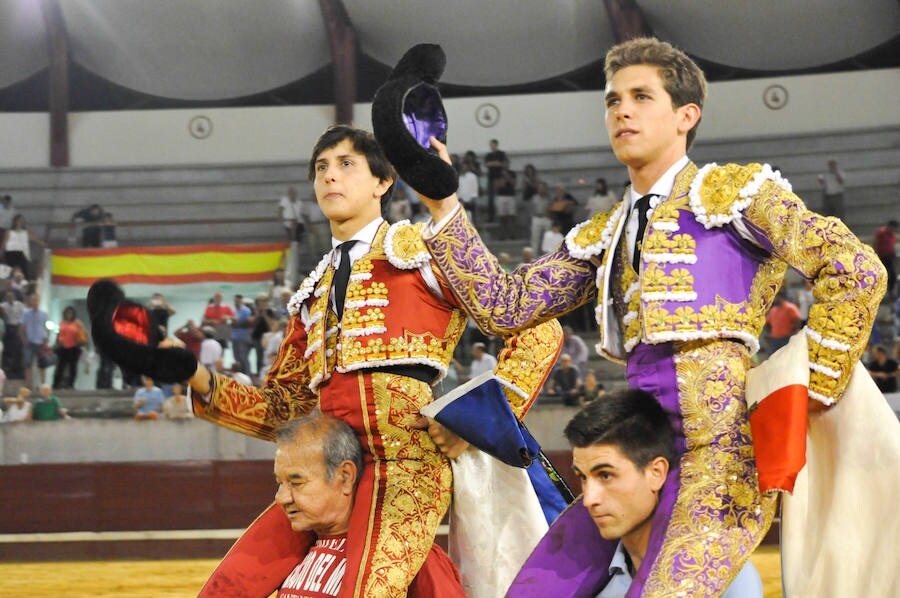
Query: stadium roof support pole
{"x": 58, "y": 51}
{"x": 627, "y": 19}
{"x": 342, "y": 38}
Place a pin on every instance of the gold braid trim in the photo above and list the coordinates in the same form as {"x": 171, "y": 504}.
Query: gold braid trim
{"x": 525, "y": 362}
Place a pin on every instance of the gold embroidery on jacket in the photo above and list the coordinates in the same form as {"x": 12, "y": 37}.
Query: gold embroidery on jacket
{"x": 418, "y": 486}
{"x": 720, "y": 516}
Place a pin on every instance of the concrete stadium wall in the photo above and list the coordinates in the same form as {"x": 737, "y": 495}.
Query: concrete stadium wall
{"x": 125, "y": 440}
{"x": 832, "y": 102}
{"x": 119, "y": 440}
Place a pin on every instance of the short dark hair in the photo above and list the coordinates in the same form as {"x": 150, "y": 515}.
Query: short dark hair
{"x": 338, "y": 440}
{"x": 364, "y": 143}
{"x": 632, "y": 420}
{"x": 682, "y": 79}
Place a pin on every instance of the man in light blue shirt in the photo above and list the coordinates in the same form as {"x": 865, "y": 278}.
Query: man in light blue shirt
{"x": 148, "y": 400}
{"x": 33, "y": 332}
{"x": 240, "y": 333}
{"x": 623, "y": 445}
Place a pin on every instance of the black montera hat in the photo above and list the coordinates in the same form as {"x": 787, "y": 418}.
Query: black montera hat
{"x": 406, "y": 111}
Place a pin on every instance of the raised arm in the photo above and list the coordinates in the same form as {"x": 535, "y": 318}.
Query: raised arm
{"x": 259, "y": 411}
{"x": 502, "y": 303}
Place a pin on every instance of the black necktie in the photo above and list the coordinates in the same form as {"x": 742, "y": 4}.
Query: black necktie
{"x": 642, "y": 206}
{"x": 342, "y": 277}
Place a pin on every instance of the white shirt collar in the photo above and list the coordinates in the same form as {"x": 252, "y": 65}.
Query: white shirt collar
{"x": 364, "y": 235}
{"x": 663, "y": 185}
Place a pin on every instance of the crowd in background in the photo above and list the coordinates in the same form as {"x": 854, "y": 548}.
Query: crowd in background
{"x": 506, "y": 206}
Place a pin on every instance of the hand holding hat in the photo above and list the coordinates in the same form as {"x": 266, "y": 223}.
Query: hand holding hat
{"x": 406, "y": 113}
{"x": 121, "y": 331}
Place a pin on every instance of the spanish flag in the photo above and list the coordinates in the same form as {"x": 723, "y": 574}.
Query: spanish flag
{"x": 171, "y": 265}
{"x": 839, "y": 524}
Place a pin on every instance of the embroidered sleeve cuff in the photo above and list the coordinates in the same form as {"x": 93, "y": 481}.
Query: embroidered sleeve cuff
{"x": 434, "y": 228}
{"x": 200, "y": 402}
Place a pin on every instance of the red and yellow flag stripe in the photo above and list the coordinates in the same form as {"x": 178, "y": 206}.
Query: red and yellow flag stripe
{"x": 179, "y": 264}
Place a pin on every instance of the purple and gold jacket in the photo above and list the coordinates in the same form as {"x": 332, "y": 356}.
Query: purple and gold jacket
{"x": 714, "y": 255}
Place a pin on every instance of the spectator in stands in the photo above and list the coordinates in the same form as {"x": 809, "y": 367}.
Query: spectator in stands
{"x": 158, "y": 312}
{"x": 552, "y": 238}
{"x": 13, "y": 310}
{"x": 105, "y": 371}
{"x": 505, "y": 261}
{"x": 210, "y": 349}
{"x": 91, "y": 217}
{"x": 832, "y": 183}
{"x": 527, "y": 255}
{"x": 8, "y": 283}
{"x": 17, "y": 246}
{"x": 244, "y": 321}
{"x": 602, "y": 200}
{"x": 192, "y": 337}
{"x": 576, "y": 348}
{"x": 494, "y": 161}
{"x": 220, "y": 317}
{"x": 178, "y": 406}
{"x": 283, "y": 301}
{"x": 505, "y": 202}
{"x": 18, "y": 283}
{"x": 72, "y": 336}
{"x": 529, "y": 183}
{"x": 266, "y": 320}
{"x": 400, "y": 208}
{"x": 782, "y": 321}
{"x": 271, "y": 341}
{"x": 319, "y": 230}
{"x": 470, "y": 159}
{"x": 108, "y": 231}
{"x": 562, "y": 209}
{"x": 33, "y": 332}
{"x": 2, "y": 335}
{"x": 278, "y": 285}
{"x": 48, "y": 407}
{"x": 883, "y": 370}
{"x": 589, "y": 390}
{"x": 148, "y": 400}
{"x": 886, "y": 247}
{"x": 6, "y": 214}
{"x": 897, "y": 316}
{"x": 482, "y": 361}
{"x": 291, "y": 210}
{"x": 468, "y": 189}
{"x": 540, "y": 220}
{"x": 566, "y": 380}
{"x": 19, "y": 408}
